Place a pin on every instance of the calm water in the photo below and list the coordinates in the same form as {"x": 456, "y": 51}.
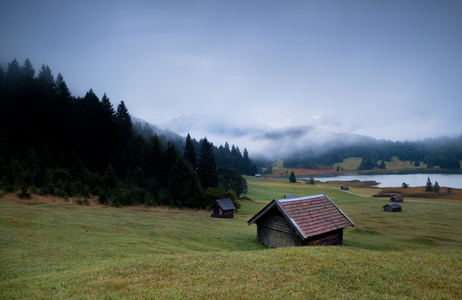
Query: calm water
{"x": 396, "y": 180}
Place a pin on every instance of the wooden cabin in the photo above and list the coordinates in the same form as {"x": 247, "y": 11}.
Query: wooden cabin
{"x": 223, "y": 208}
{"x": 392, "y": 207}
{"x": 304, "y": 221}
{"x": 397, "y": 198}
{"x": 289, "y": 196}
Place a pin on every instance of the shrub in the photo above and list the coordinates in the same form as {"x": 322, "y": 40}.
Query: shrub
{"x": 103, "y": 196}
{"x": 436, "y": 187}
{"x": 24, "y": 194}
{"x": 82, "y": 202}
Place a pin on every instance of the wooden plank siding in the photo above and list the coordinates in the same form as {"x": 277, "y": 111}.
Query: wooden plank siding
{"x": 305, "y": 221}
{"x": 276, "y": 232}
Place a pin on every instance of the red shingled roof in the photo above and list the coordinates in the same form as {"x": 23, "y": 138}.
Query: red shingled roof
{"x": 310, "y": 215}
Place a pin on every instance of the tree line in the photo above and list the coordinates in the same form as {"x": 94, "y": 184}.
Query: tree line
{"x": 57, "y": 144}
{"x": 443, "y": 152}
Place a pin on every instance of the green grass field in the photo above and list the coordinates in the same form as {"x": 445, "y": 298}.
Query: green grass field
{"x": 67, "y": 251}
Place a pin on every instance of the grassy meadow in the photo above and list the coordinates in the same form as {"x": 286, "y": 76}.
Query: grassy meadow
{"x": 51, "y": 249}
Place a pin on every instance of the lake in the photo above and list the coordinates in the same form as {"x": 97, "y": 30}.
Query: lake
{"x": 396, "y": 180}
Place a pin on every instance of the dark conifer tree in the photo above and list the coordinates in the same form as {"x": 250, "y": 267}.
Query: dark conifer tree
{"x": 137, "y": 127}
{"x": 2, "y": 81}
{"x": 206, "y": 167}
{"x": 27, "y": 69}
{"x": 2, "y": 96}
{"x": 436, "y": 187}
{"x": 190, "y": 153}
{"x": 429, "y": 185}
{"x": 147, "y": 131}
{"x": 292, "y": 177}
{"x": 61, "y": 88}
{"x": 46, "y": 77}
{"x": 91, "y": 98}
{"x": 382, "y": 165}
{"x": 124, "y": 122}
{"x": 13, "y": 73}
{"x": 229, "y": 179}
{"x": 169, "y": 158}
{"x": 246, "y": 163}
{"x": 184, "y": 185}
{"x": 153, "y": 158}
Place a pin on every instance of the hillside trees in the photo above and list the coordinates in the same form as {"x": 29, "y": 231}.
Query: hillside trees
{"x": 184, "y": 185}
{"x": 67, "y": 146}
{"x": 368, "y": 163}
{"x": 443, "y": 152}
{"x": 229, "y": 179}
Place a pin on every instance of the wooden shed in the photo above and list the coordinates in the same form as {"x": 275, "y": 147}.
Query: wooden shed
{"x": 289, "y": 196}
{"x": 304, "y": 221}
{"x": 223, "y": 208}
{"x": 397, "y": 198}
{"x": 393, "y": 207}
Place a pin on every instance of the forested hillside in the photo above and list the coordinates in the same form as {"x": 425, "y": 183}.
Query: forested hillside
{"x": 54, "y": 143}
{"x": 444, "y": 152}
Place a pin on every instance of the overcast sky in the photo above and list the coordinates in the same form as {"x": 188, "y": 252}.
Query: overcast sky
{"x": 386, "y": 69}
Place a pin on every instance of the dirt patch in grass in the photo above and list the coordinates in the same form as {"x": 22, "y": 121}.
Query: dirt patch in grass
{"x": 419, "y": 192}
{"x": 91, "y": 202}
{"x": 354, "y": 183}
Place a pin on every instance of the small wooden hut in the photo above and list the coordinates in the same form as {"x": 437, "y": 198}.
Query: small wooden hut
{"x": 223, "y": 208}
{"x": 289, "y": 196}
{"x": 303, "y": 221}
{"x": 397, "y": 198}
{"x": 392, "y": 207}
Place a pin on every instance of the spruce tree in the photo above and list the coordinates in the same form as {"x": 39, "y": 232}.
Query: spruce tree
{"x": 184, "y": 186}
{"x": 190, "y": 152}
{"x": 292, "y": 177}
{"x": 246, "y": 163}
{"x": 436, "y": 187}
{"x": 429, "y": 186}
{"x": 13, "y": 73}
{"x": 146, "y": 130}
{"x": 61, "y": 88}
{"x": 382, "y": 165}
{"x": 124, "y": 124}
{"x": 46, "y": 76}
{"x": 207, "y": 168}
{"x": 27, "y": 69}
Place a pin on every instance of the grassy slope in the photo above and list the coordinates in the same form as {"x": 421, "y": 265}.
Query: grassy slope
{"x": 66, "y": 251}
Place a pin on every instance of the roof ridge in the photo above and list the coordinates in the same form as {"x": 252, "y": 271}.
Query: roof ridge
{"x": 301, "y": 198}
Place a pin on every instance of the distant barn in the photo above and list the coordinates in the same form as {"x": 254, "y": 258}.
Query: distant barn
{"x": 397, "y": 198}
{"x": 223, "y": 208}
{"x": 303, "y": 221}
{"x": 345, "y": 187}
{"x": 392, "y": 207}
